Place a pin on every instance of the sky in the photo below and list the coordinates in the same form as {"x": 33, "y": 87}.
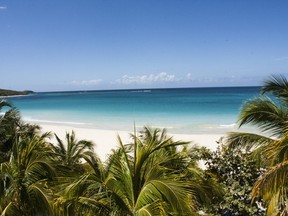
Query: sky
{"x": 52, "y": 45}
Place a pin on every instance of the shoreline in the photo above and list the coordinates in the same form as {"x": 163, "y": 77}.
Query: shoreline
{"x": 106, "y": 140}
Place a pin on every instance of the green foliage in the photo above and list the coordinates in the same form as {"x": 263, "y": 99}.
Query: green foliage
{"x": 237, "y": 172}
{"x": 9, "y": 122}
{"x": 269, "y": 113}
{"x": 150, "y": 176}
{"x": 24, "y": 178}
{"x": 71, "y": 153}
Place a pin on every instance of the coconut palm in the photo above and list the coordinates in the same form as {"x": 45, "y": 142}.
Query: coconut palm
{"x": 73, "y": 151}
{"x": 11, "y": 126}
{"x": 84, "y": 195}
{"x": 146, "y": 177}
{"x": 9, "y": 122}
{"x": 24, "y": 178}
{"x": 68, "y": 157}
{"x": 269, "y": 113}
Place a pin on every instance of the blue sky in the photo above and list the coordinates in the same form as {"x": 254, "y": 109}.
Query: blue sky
{"x": 51, "y": 45}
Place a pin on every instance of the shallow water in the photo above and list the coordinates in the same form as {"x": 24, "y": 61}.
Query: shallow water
{"x": 184, "y": 110}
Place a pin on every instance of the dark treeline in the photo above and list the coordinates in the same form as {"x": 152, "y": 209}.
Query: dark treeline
{"x": 6, "y": 92}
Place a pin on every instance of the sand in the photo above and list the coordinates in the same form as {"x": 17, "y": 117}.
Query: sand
{"x": 106, "y": 140}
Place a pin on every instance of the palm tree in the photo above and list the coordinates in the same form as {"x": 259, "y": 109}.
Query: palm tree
{"x": 269, "y": 113}
{"x": 73, "y": 151}
{"x": 11, "y": 126}
{"x": 147, "y": 177}
{"x": 24, "y": 178}
{"x": 68, "y": 158}
{"x": 9, "y": 122}
{"x": 84, "y": 195}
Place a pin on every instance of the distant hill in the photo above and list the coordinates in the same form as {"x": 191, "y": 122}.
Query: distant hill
{"x": 6, "y": 92}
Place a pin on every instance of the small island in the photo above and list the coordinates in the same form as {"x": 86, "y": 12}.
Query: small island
{"x": 6, "y": 92}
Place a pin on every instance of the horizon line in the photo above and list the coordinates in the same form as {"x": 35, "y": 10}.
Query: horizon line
{"x": 143, "y": 89}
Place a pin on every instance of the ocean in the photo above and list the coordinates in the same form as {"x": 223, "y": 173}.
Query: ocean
{"x": 181, "y": 110}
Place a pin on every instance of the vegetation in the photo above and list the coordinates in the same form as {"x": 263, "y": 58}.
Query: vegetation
{"x": 269, "y": 113}
{"x": 236, "y": 172}
{"x": 152, "y": 175}
{"x": 147, "y": 177}
{"x": 6, "y": 92}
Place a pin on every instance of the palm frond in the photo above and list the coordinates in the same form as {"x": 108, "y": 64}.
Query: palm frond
{"x": 101, "y": 205}
{"x": 247, "y": 141}
{"x": 95, "y": 163}
{"x": 120, "y": 180}
{"x": 41, "y": 197}
{"x": 84, "y": 194}
{"x": 273, "y": 182}
{"x": 277, "y": 151}
{"x": 277, "y": 85}
{"x": 174, "y": 193}
{"x": 265, "y": 114}
{"x": 4, "y": 103}
{"x": 10, "y": 209}
{"x": 155, "y": 207}
{"x": 60, "y": 145}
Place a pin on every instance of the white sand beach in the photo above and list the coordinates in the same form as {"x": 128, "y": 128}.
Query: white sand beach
{"x": 106, "y": 140}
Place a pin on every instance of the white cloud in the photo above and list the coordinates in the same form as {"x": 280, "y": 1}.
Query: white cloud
{"x": 148, "y": 79}
{"x": 3, "y": 8}
{"x": 86, "y": 82}
{"x": 209, "y": 79}
{"x": 189, "y": 76}
{"x": 229, "y": 80}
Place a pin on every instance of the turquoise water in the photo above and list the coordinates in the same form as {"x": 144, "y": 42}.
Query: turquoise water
{"x": 185, "y": 110}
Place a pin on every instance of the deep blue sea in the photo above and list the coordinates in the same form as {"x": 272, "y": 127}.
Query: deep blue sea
{"x": 183, "y": 110}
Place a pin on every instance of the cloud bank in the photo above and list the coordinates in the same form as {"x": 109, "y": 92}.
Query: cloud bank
{"x": 164, "y": 79}
{"x": 172, "y": 80}
{"x": 148, "y": 79}
{"x": 86, "y": 82}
